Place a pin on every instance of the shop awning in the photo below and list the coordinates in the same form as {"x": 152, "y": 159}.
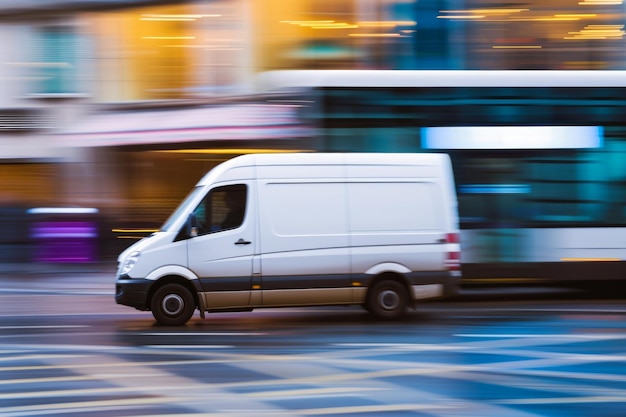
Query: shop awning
{"x": 241, "y": 122}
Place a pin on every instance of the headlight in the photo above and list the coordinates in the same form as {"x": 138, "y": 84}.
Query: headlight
{"x": 130, "y": 262}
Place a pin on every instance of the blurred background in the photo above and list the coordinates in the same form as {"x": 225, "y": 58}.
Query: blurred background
{"x": 110, "y": 110}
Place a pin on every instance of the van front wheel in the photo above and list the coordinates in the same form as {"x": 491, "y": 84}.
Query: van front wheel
{"x": 387, "y": 300}
{"x": 172, "y": 305}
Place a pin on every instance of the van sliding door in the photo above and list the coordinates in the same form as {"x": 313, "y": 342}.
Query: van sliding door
{"x": 305, "y": 252}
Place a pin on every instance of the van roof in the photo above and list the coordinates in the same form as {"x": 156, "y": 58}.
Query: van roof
{"x": 357, "y": 158}
{"x": 315, "y": 158}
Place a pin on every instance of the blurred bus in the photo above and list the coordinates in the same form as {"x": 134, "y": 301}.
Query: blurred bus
{"x": 539, "y": 156}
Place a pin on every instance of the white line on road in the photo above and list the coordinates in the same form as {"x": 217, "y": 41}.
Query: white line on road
{"x": 202, "y": 334}
{"x": 83, "y": 406}
{"x": 190, "y": 346}
{"x": 551, "y": 336}
{"x": 39, "y": 357}
{"x": 565, "y": 400}
{"x": 312, "y": 392}
{"x": 66, "y": 326}
{"x": 47, "y": 380}
{"x": 56, "y": 291}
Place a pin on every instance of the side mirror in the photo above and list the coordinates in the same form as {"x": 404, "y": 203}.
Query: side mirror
{"x": 192, "y": 225}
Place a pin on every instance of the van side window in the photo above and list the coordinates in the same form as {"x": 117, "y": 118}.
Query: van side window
{"x": 222, "y": 209}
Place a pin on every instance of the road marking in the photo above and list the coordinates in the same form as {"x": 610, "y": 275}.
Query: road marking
{"x": 195, "y": 396}
{"x": 564, "y": 336}
{"x": 350, "y": 376}
{"x": 372, "y": 409}
{"x": 12, "y": 291}
{"x": 47, "y": 380}
{"x": 136, "y": 381}
{"x": 189, "y": 346}
{"x": 198, "y": 395}
{"x": 8, "y": 351}
{"x": 202, "y": 334}
{"x": 312, "y": 392}
{"x": 65, "y": 393}
{"x": 52, "y": 314}
{"x": 403, "y": 346}
{"x": 81, "y": 406}
{"x": 66, "y": 326}
{"x": 564, "y": 400}
{"x": 568, "y": 375}
{"x": 40, "y": 357}
{"x": 113, "y": 364}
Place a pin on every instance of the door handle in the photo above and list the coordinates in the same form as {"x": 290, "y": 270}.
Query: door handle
{"x": 242, "y": 242}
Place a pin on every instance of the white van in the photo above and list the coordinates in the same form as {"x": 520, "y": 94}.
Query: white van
{"x": 309, "y": 229}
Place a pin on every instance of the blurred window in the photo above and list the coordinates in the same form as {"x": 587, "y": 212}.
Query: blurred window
{"x": 471, "y": 106}
{"x": 222, "y": 209}
{"x": 57, "y": 56}
{"x": 498, "y": 187}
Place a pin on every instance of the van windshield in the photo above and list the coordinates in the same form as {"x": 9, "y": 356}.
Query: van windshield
{"x": 182, "y": 208}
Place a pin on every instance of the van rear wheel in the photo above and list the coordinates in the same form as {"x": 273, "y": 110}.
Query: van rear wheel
{"x": 387, "y": 300}
{"x": 172, "y": 305}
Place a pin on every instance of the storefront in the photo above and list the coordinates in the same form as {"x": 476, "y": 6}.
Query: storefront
{"x": 139, "y": 164}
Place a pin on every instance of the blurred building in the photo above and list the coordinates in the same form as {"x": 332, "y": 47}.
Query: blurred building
{"x": 123, "y": 104}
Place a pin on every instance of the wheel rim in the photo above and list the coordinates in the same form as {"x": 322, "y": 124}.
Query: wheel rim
{"x": 389, "y": 300}
{"x": 173, "y": 304}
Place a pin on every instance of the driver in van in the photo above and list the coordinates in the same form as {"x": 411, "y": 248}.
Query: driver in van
{"x": 236, "y": 204}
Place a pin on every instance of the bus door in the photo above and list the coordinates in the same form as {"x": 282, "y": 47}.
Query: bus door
{"x": 492, "y": 198}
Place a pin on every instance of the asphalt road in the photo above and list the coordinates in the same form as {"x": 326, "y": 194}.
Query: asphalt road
{"x": 67, "y": 349}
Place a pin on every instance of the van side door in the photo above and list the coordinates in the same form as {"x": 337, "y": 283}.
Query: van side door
{"x": 222, "y": 252}
{"x": 305, "y": 251}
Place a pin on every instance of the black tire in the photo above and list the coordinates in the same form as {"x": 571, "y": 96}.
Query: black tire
{"x": 172, "y": 305}
{"x": 387, "y": 300}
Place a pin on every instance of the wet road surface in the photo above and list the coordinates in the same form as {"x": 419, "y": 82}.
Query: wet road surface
{"x": 67, "y": 349}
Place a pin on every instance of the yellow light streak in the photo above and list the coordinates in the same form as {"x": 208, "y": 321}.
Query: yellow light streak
{"x": 554, "y": 18}
{"x": 576, "y": 15}
{"x": 131, "y": 230}
{"x": 377, "y": 24}
{"x": 387, "y": 23}
{"x": 606, "y": 26}
{"x": 598, "y": 32}
{"x": 336, "y": 26}
{"x": 321, "y": 24}
{"x": 185, "y": 46}
{"x": 169, "y": 37}
{"x": 542, "y": 19}
{"x": 599, "y": 3}
{"x": 178, "y": 16}
{"x": 307, "y": 22}
{"x": 169, "y": 19}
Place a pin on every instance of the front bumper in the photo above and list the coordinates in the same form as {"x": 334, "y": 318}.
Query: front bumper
{"x": 133, "y": 292}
